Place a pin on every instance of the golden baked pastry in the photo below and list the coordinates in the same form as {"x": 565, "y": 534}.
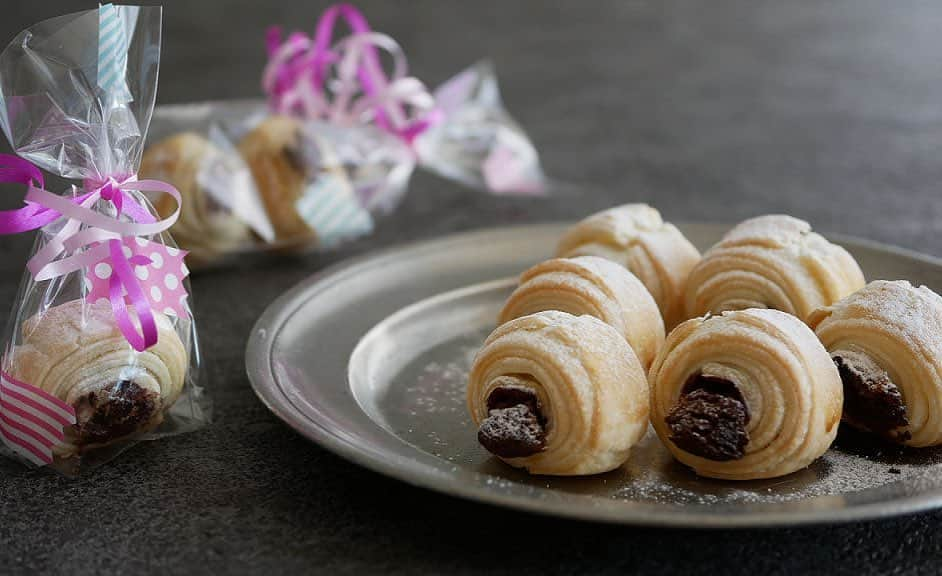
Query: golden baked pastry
{"x": 76, "y": 352}
{"x": 635, "y": 236}
{"x": 597, "y": 287}
{"x": 773, "y": 261}
{"x": 204, "y": 228}
{"x": 748, "y": 394}
{"x": 886, "y": 340}
{"x": 273, "y": 152}
{"x": 558, "y": 394}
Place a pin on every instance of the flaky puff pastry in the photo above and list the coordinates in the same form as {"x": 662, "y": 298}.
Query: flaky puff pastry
{"x": 635, "y": 236}
{"x": 772, "y": 261}
{"x": 745, "y": 395}
{"x": 204, "y": 228}
{"x": 273, "y": 152}
{"x": 597, "y": 287}
{"x": 886, "y": 340}
{"x": 558, "y": 394}
{"x": 77, "y": 353}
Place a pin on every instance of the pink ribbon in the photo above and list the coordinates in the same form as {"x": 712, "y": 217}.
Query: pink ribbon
{"x": 298, "y": 78}
{"x": 123, "y": 276}
{"x": 89, "y": 237}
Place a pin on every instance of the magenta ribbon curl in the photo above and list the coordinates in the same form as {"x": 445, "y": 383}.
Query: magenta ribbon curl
{"x": 298, "y": 77}
{"x": 88, "y": 237}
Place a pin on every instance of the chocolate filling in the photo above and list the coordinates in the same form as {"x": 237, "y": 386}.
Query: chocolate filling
{"x": 872, "y": 402}
{"x": 709, "y": 419}
{"x": 114, "y": 412}
{"x": 292, "y": 155}
{"x": 515, "y": 426}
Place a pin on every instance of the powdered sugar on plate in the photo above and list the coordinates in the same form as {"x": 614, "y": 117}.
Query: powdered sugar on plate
{"x": 425, "y": 406}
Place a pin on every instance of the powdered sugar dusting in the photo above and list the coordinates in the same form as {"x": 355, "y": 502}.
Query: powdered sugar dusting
{"x": 853, "y": 465}
{"x": 425, "y": 405}
{"x": 430, "y": 403}
{"x": 912, "y": 315}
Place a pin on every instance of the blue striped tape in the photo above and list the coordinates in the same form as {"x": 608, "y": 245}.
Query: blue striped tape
{"x": 112, "y": 53}
{"x": 331, "y": 209}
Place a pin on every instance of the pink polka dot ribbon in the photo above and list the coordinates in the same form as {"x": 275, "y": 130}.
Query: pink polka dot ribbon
{"x": 119, "y": 264}
{"x": 345, "y": 83}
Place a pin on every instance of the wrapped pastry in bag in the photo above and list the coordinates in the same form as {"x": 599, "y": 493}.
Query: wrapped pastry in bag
{"x": 100, "y": 349}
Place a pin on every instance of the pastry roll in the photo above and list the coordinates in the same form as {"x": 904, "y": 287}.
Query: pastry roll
{"x": 273, "y": 153}
{"x": 745, "y": 395}
{"x": 597, "y": 287}
{"x": 884, "y": 339}
{"x": 204, "y": 228}
{"x": 77, "y": 353}
{"x": 635, "y": 236}
{"x": 558, "y": 394}
{"x": 773, "y": 261}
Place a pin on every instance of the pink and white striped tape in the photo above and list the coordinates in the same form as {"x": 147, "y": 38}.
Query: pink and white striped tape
{"x": 31, "y": 420}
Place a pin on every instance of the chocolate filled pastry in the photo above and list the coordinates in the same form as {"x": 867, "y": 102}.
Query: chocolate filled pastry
{"x": 773, "y": 261}
{"x": 558, "y": 394}
{"x": 205, "y": 228}
{"x": 885, "y": 341}
{"x": 597, "y": 287}
{"x": 79, "y": 355}
{"x": 635, "y": 236}
{"x": 273, "y": 152}
{"x": 745, "y": 395}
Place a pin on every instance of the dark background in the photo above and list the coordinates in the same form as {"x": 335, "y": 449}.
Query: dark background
{"x": 831, "y": 111}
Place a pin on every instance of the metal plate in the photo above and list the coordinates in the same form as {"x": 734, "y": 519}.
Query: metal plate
{"x": 368, "y": 359}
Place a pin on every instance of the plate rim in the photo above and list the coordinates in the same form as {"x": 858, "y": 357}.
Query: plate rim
{"x": 262, "y": 379}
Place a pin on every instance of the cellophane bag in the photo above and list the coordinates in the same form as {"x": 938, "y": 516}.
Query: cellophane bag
{"x": 357, "y": 88}
{"x": 193, "y": 147}
{"x": 333, "y": 148}
{"x": 253, "y": 181}
{"x": 101, "y": 347}
{"x": 321, "y": 183}
{"x": 477, "y": 142}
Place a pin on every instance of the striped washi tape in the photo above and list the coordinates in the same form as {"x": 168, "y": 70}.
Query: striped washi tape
{"x": 31, "y": 420}
{"x": 112, "y": 52}
{"x": 332, "y": 210}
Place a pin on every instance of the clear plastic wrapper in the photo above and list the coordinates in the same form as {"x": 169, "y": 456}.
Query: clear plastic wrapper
{"x": 222, "y": 213}
{"x": 462, "y": 131}
{"x": 477, "y": 142}
{"x": 254, "y": 181}
{"x": 333, "y": 148}
{"x": 322, "y": 184}
{"x": 101, "y": 348}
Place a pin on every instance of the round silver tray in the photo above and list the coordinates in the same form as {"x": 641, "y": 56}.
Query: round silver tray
{"x": 368, "y": 359}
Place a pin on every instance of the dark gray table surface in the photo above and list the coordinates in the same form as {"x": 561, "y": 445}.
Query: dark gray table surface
{"x": 831, "y": 111}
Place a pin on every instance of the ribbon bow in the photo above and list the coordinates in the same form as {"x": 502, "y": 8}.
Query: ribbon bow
{"x": 112, "y": 249}
{"x": 298, "y": 78}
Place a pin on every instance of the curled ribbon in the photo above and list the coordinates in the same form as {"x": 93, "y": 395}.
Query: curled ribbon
{"x": 298, "y": 78}
{"x": 89, "y": 237}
